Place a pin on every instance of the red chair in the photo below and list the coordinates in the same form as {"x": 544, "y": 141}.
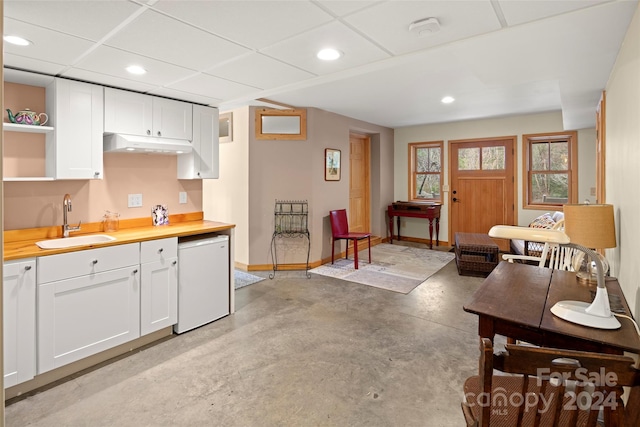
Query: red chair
{"x": 340, "y": 231}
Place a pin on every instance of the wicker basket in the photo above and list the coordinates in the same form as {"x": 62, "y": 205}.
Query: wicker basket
{"x": 476, "y": 254}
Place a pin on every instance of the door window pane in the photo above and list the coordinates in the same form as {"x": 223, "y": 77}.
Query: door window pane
{"x": 469, "y": 159}
{"x": 493, "y": 158}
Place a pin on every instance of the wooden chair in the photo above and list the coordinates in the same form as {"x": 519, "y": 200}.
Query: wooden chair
{"x": 553, "y": 388}
{"x": 552, "y": 256}
{"x": 340, "y": 231}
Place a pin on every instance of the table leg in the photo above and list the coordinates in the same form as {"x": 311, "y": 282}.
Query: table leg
{"x": 398, "y": 228}
{"x": 430, "y": 233}
{"x": 438, "y": 231}
{"x": 486, "y": 327}
{"x": 391, "y": 229}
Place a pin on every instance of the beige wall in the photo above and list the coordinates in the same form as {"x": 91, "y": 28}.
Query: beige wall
{"x": 506, "y": 126}
{"x": 227, "y": 199}
{"x": 294, "y": 170}
{"x": 39, "y": 204}
{"x": 623, "y": 158}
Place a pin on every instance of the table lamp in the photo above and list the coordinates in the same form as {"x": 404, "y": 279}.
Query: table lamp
{"x": 591, "y": 226}
{"x": 595, "y": 315}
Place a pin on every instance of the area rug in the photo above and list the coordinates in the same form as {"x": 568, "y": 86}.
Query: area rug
{"x": 394, "y": 267}
{"x": 243, "y": 279}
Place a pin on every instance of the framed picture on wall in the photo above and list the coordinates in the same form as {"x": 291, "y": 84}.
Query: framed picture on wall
{"x": 331, "y": 164}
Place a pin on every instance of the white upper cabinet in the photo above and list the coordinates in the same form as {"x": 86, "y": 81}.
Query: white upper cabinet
{"x": 203, "y": 161}
{"x": 74, "y": 148}
{"x": 137, "y": 114}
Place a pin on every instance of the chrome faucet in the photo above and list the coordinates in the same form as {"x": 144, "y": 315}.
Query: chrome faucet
{"x": 66, "y": 208}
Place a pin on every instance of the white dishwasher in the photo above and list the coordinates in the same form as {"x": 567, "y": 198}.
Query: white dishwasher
{"x": 203, "y": 281}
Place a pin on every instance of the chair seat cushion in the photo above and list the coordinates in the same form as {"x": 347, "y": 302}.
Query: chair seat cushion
{"x": 506, "y": 390}
{"x": 352, "y": 236}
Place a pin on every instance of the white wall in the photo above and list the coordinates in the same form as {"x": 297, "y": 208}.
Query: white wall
{"x": 623, "y": 163}
{"x": 496, "y": 127}
{"x": 226, "y": 199}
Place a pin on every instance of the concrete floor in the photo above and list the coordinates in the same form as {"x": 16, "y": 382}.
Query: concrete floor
{"x": 297, "y": 352}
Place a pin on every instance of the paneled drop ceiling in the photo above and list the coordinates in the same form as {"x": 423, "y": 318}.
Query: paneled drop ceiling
{"x": 495, "y": 57}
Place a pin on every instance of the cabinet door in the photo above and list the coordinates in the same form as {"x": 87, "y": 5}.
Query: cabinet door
{"x": 86, "y": 315}
{"x": 19, "y": 321}
{"x": 127, "y": 112}
{"x": 158, "y": 295}
{"x": 74, "y": 149}
{"x": 172, "y": 119}
{"x": 203, "y": 161}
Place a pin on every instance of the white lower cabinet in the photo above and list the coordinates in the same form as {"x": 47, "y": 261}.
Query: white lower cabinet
{"x": 19, "y": 321}
{"x": 88, "y": 302}
{"x": 159, "y": 284}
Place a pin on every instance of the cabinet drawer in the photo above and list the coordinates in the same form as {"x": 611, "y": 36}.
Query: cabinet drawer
{"x": 90, "y": 261}
{"x": 158, "y": 250}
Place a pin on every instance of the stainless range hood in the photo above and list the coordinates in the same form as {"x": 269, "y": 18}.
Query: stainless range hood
{"x": 145, "y": 144}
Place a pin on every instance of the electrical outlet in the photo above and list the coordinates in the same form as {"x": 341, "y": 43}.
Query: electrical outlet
{"x": 135, "y": 201}
{"x": 183, "y": 197}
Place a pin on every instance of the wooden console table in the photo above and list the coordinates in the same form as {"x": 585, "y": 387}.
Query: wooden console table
{"x": 515, "y": 301}
{"x": 430, "y": 211}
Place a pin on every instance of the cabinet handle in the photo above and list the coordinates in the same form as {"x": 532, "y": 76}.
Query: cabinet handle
{"x": 174, "y": 262}
{"x": 96, "y": 174}
{"x": 160, "y": 250}
{"x": 94, "y": 262}
{"x": 27, "y": 267}
{"x": 148, "y": 131}
{"x": 135, "y": 271}
{"x": 159, "y": 133}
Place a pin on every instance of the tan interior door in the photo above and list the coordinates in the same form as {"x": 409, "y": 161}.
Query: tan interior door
{"x": 482, "y": 185}
{"x": 359, "y": 215}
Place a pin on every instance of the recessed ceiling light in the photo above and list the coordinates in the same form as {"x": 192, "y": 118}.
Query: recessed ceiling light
{"x": 136, "y": 69}
{"x": 447, "y": 99}
{"x": 329, "y": 54}
{"x": 17, "y": 40}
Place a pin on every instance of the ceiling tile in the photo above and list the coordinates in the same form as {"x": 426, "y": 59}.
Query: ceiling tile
{"x": 49, "y": 46}
{"x": 107, "y": 80}
{"x": 301, "y": 50}
{"x": 271, "y": 73}
{"x": 24, "y": 63}
{"x": 388, "y": 23}
{"x": 111, "y": 61}
{"x": 254, "y": 24}
{"x": 89, "y": 19}
{"x": 518, "y": 12}
{"x": 185, "y": 96}
{"x": 174, "y": 42}
{"x": 214, "y": 87}
{"x": 342, "y": 8}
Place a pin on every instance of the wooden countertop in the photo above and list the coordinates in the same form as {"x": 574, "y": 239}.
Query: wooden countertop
{"x": 22, "y": 243}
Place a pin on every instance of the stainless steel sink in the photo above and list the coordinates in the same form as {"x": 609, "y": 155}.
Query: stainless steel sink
{"x": 68, "y": 242}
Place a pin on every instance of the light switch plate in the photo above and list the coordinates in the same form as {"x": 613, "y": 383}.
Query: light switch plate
{"x": 183, "y": 197}
{"x": 135, "y": 201}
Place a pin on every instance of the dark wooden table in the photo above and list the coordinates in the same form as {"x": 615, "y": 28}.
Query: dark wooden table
{"x": 515, "y": 301}
{"x": 430, "y": 211}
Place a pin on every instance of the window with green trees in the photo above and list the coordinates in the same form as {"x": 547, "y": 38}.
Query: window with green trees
{"x": 425, "y": 171}
{"x": 551, "y": 165}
